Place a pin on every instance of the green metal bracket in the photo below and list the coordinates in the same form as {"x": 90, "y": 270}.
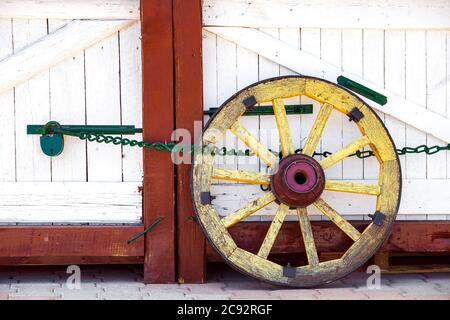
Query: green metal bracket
{"x": 53, "y": 126}
{"x": 362, "y": 90}
{"x": 150, "y": 227}
{"x": 52, "y": 136}
{"x": 268, "y": 110}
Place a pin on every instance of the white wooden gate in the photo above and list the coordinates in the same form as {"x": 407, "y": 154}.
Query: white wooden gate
{"x": 87, "y": 71}
{"x": 401, "y": 48}
{"x": 82, "y": 71}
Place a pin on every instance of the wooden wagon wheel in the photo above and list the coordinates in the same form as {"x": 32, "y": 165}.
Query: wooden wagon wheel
{"x": 290, "y": 192}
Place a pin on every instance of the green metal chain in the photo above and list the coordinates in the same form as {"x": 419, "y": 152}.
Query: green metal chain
{"x": 223, "y": 151}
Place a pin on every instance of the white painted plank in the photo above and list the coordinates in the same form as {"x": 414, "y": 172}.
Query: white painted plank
{"x": 448, "y": 94}
{"x": 416, "y": 217}
{"x": 297, "y": 60}
{"x": 352, "y": 62}
{"x": 415, "y": 164}
{"x": 373, "y": 71}
{"x": 435, "y": 217}
{"x": 67, "y": 106}
{"x": 414, "y": 200}
{"x": 292, "y": 37}
{"x": 226, "y": 87}
{"x": 7, "y": 134}
{"x": 377, "y": 14}
{"x": 395, "y": 82}
{"x": 268, "y": 68}
{"x": 70, "y": 202}
{"x": 232, "y": 197}
{"x": 331, "y": 52}
{"x": 268, "y": 133}
{"x": 436, "y": 97}
{"x": 103, "y": 108}
{"x": 131, "y": 97}
{"x": 43, "y": 52}
{"x": 32, "y": 106}
{"x": 246, "y": 74}
{"x": 209, "y": 59}
{"x": 74, "y": 9}
{"x": 310, "y": 43}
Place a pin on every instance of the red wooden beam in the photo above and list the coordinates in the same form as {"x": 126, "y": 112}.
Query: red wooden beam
{"x": 419, "y": 236}
{"x": 187, "y": 26}
{"x": 69, "y": 241}
{"x": 406, "y": 236}
{"x": 158, "y": 124}
{"x": 67, "y": 261}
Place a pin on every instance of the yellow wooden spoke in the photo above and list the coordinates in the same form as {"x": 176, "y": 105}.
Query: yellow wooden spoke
{"x": 279, "y": 111}
{"x": 335, "y": 217}
{"x": 308, "y": 238}
{"x": 316, "y": 132}
{"x": 250, "y": 208}
{"x": 352, "y": 187}
{"x": 260, "y": 150}
{"x": 241, "y": 176}
{"x": 345, "y": 152}
{"x": 273, "y": 231}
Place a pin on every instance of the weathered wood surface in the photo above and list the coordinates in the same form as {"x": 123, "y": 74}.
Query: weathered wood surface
{"x": 273, "y": 231}
{"x": 376, "y": 14}
{"x": 345, "y": 152}
{"x": 70, "y": 202}
{"x": 51, "y": 49}
{"x": 257, "y": 265}
{"x": 248, "y": 209}
{"x": 243, "y": 176}
{"x": 317, "y": 130}
{"x": 307, "y": 236}
{"x": 70, "y": 241}
{"x": 352, "y": 187}
{"x": 336, "y": 218}
{"x": 158, "y": 124}
{"x": 74, "y": 9}
{"x": 286, "y": 145}
{"x": 251, "y": 142}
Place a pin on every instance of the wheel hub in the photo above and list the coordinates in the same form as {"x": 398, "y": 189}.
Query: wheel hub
{"x": 299, "y": 181}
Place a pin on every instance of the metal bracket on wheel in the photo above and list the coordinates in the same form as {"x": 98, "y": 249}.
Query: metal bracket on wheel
{"x": 206, "y": 198}
{"x": 377, "y": 217}
{"x": 249, "y": 102}
{"x": 355, "y": 115}
{"x": 289, "y": 272}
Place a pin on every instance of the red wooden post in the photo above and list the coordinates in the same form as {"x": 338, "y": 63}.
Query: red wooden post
{"x": 158, "y": 124}
{"x": 187, "y": 25}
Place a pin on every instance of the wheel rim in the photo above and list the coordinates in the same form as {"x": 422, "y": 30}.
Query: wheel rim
{"x": 373, "y": 135}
